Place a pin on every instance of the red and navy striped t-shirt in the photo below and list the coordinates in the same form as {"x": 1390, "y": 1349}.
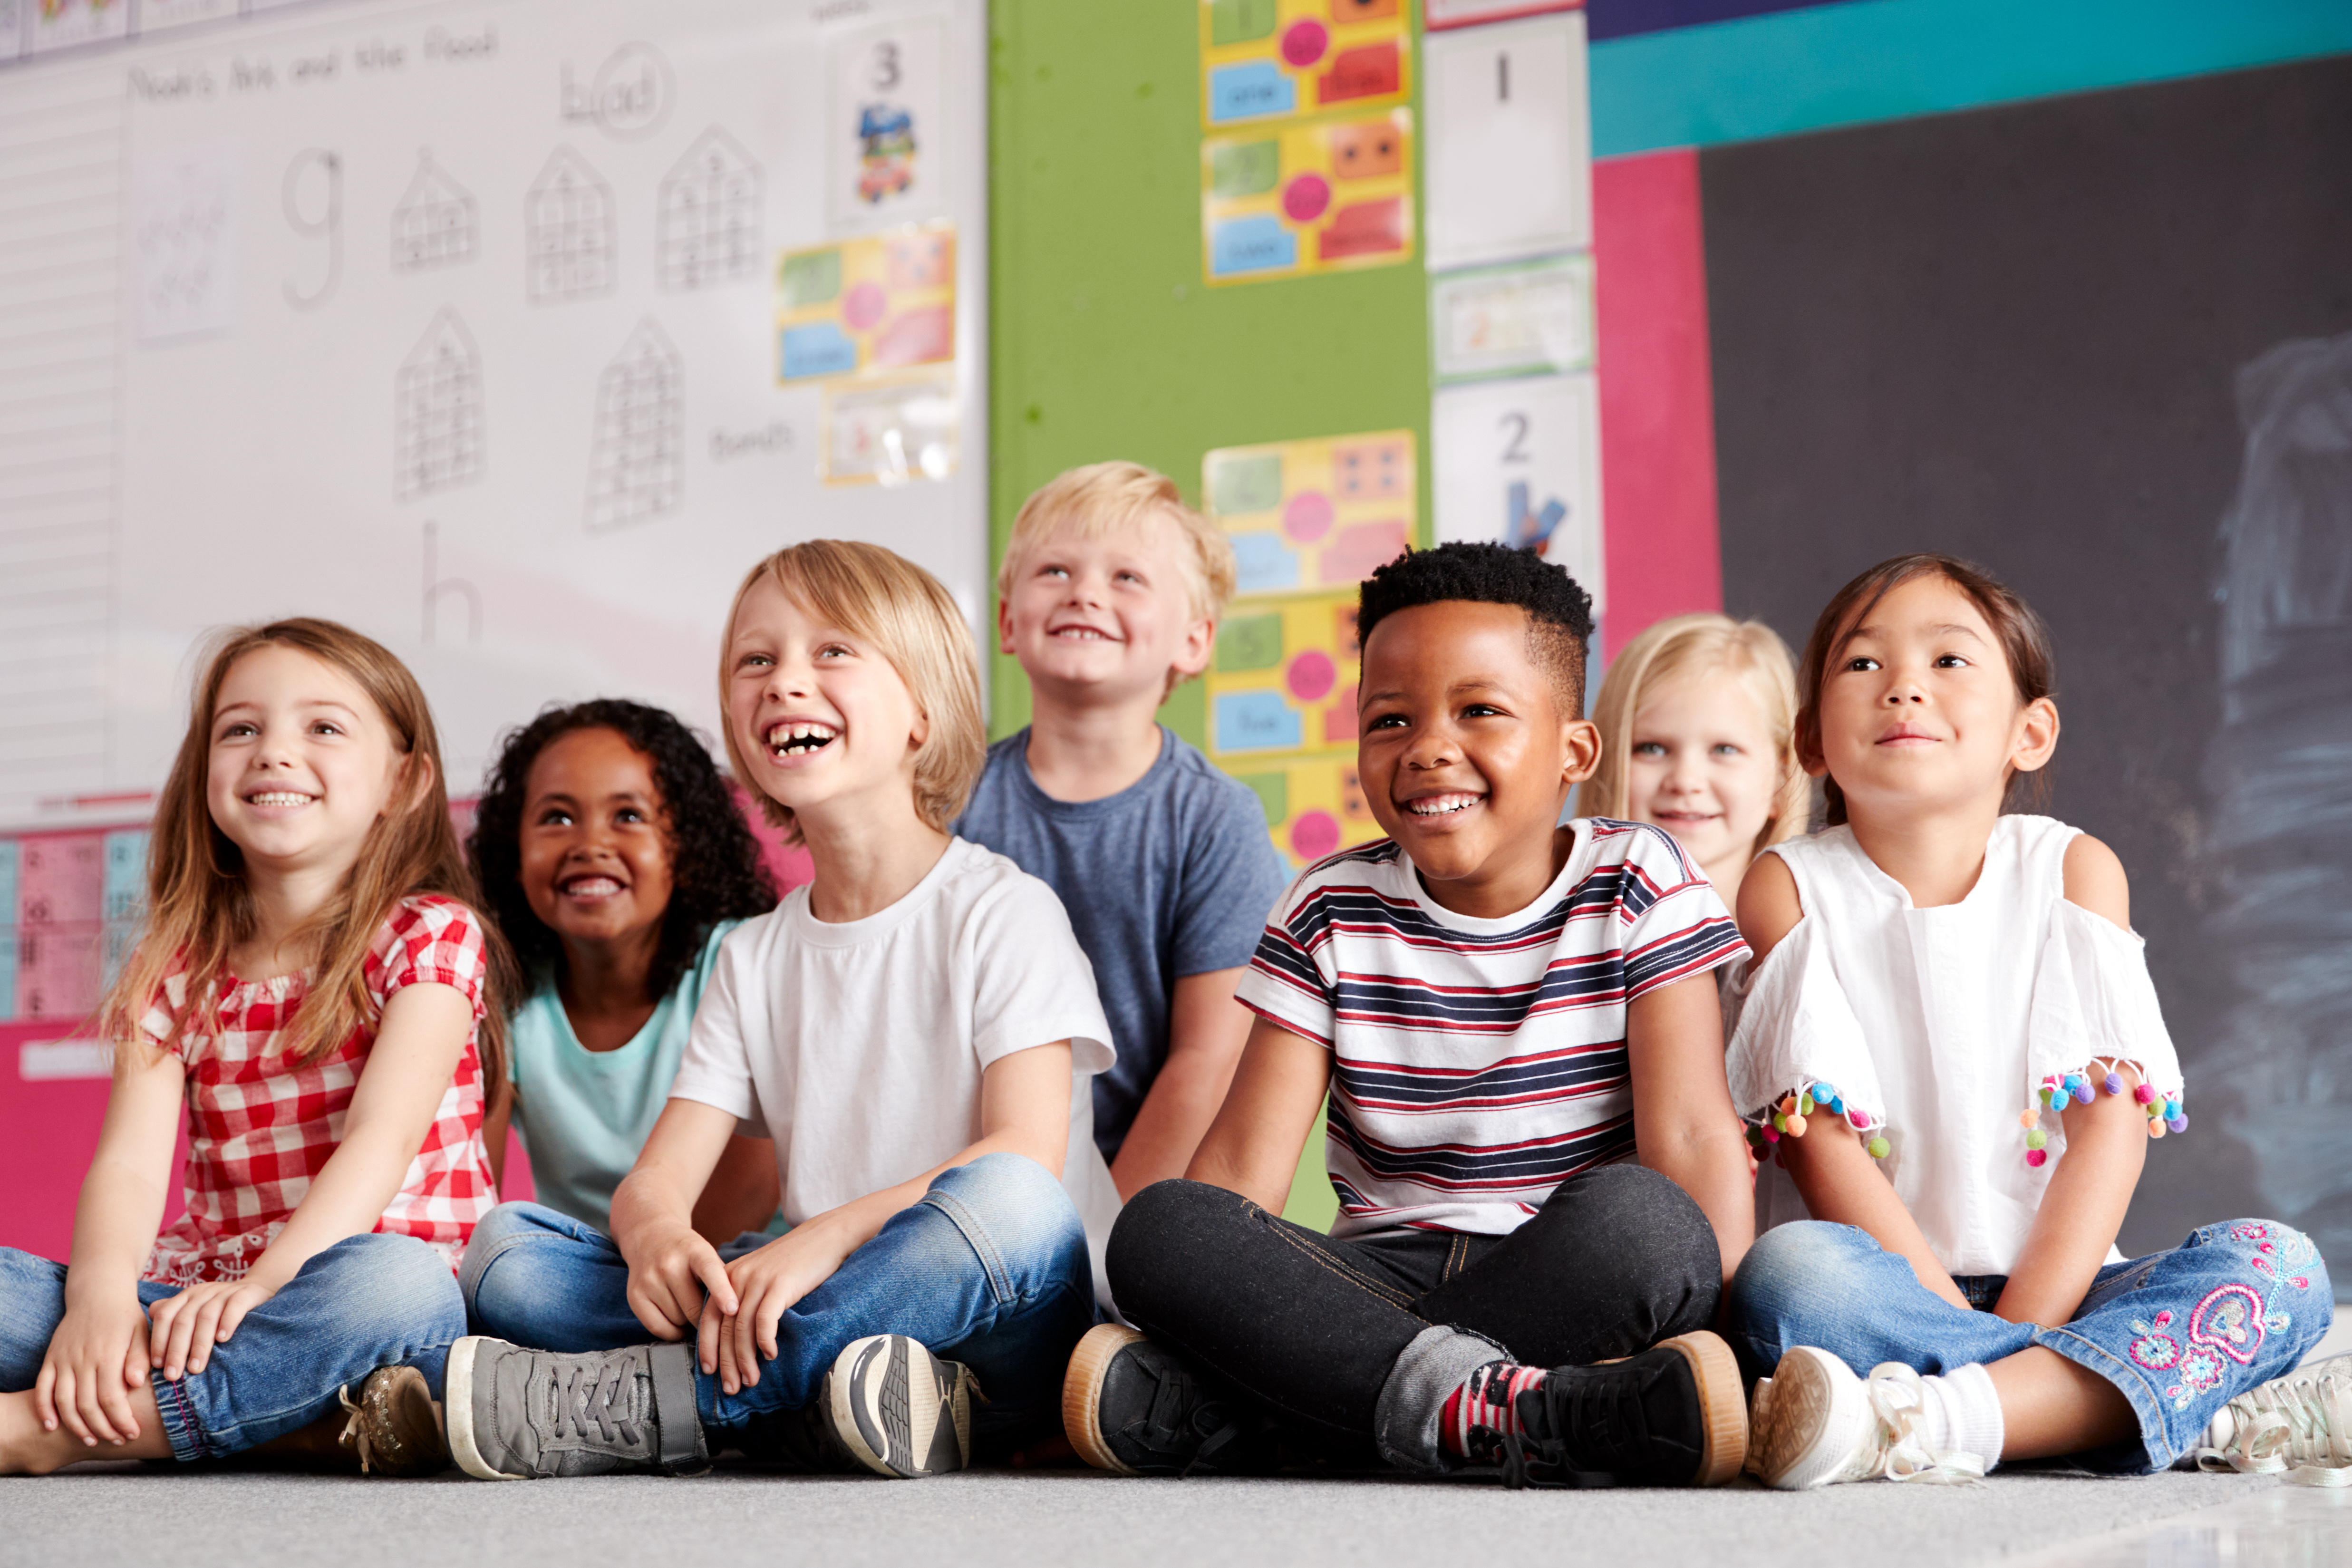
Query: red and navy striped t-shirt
{"x": 1477, "y": 1064}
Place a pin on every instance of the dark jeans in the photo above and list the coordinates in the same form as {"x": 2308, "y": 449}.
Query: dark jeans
{"x": 1358, "y": 1340}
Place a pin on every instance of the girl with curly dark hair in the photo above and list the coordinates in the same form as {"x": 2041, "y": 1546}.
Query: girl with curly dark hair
{"x": 615, "y": 859}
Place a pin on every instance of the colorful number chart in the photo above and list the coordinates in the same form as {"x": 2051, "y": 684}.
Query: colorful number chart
{"x": 1269, "y": 60}
{"x": 69, "y": 907}
{"x": 1308, "y": 520}
{"x": 1308, "y": 198}
{"x": 881, "y": 303}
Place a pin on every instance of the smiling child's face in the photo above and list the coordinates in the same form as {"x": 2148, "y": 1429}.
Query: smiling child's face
{"x": 1104, "y": 619}
{"x": 302, "y": 762}
{"x": 595, "y": 842}
{"x": 1701, "y": 765}
{"x": 1465, "y": 753}
{"x": 1919, "y": 708}
{"x": 824, "y": 719}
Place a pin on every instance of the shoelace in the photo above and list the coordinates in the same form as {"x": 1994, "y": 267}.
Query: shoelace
{"x": 354, "y": 1435}
{"x": 586, "y": 1395}
{"x": 1600, "y": 1422}
{"x": 1900, "y": 1454}
{"x": 2295, "y": 1424}
{"x": 1170, "y": 1430}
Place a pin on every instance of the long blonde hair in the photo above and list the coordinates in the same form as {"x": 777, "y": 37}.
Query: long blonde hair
{"x": 909, "y": 617}
{"x": 199, "y": 908}
{"x": 1678, "y": 648}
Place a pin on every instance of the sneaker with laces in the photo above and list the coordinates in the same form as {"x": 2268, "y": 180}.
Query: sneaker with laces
{"x": 2300, "y": 1423}
{"x": 899, "y": 1410}
{"x": 1136, "y": 1408}
{"x": 523, "y": 1415}
{"x": 1823, "y": 1424}
{"x": 1673, "y": 1415}
{"x": 394, "y": 1427}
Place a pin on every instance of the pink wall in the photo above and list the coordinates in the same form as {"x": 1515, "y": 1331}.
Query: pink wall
{"x": 1657, "y": 399}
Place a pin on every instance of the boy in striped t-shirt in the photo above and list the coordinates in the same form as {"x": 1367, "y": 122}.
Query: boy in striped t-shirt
{"x": 1536, "y": 1159}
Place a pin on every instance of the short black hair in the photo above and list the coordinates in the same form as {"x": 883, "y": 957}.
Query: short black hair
{"x": 1560, "y": 612}
{"x": 717, "y": 872}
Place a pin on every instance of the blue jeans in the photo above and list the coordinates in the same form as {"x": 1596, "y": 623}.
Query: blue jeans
{"x": 2180, "y": 1332}
{"x": 368, "y": 1301}
{"x": 989, "y": 1267}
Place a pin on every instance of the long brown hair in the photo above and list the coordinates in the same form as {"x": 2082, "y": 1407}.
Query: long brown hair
{"x": 2025, "y": 643}
{"x": 199, "y": 908}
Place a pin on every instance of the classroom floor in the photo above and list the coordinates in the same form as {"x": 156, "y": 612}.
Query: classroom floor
{"x": 102, "y": 1514}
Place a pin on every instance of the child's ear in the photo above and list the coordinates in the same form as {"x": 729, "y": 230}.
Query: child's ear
{"x": 2037, "y": 736}
{"x": 412, "y": 780}
{"x": 1808, "y": 749}
{"x": 1580, "y": 748}
{"x": 1005, "y": 626}
{"x": 1192, "y": 653}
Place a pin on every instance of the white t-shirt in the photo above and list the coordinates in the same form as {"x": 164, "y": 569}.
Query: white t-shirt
{"x": 1936, "y": 1025}
{"x": 859, "y": 1046}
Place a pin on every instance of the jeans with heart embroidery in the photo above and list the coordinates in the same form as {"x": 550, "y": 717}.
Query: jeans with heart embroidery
{"x": 2180, "y": 1332}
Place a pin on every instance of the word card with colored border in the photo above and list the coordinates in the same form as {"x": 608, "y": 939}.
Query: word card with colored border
{"x": 1308, "y": 198}
{"x": 880, "y": 303}
{"x": 1314, "y": 804}
{"x": 1283, "y": 677}
{"x": 1306, "y": 516}
{"x": 1269, "y": 60}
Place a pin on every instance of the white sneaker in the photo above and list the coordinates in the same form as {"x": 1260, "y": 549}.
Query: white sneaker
{"x": 1823, "y": 1424}
{"x": 2301, "y": 1423}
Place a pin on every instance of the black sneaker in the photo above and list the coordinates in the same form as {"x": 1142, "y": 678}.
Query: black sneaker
{"x": 522, "y": 1414}
{"x": 1673, "y": 1416}
{"x": 1135, "y": 1408}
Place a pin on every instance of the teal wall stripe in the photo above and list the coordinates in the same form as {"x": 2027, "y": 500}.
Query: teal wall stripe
{"x": 1809, "y": 69}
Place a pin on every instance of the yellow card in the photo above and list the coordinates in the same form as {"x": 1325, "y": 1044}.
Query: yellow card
{"x": 1313, "y": 515}
{"x": 1271, "y": 59}
{"x": 880, "y": 303}
{"x": 1314, "y": 806}
{"x": 1308, "y": 198}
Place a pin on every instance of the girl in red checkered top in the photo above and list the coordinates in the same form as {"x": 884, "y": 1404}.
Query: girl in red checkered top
{"x": 315, "y": 984}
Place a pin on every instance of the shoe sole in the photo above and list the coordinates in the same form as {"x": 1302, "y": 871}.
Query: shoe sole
{"x": 1082, "y": 1388}
{"x": 405, "y": 1439}
{"x": 1759, "y": 1403}
{"x": 884, "y": 1401}
{"x": 457, "y": 1403}
{"x": 1722, "y": 1403}
{"x": 1805, "y": 1439}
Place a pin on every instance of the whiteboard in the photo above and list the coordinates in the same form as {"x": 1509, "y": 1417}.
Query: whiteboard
{"x": 456, "y": 322}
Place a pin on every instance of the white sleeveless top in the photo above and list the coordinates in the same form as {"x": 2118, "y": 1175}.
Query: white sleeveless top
{"x": 1937, "y": 1028}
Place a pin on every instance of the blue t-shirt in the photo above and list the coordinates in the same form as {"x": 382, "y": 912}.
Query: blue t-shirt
{"x": 1172, "y": 876}
{"x": 585, "y": 1115}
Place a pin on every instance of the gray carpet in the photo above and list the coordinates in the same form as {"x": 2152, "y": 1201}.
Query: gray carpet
{"x": 112, "y": 1513}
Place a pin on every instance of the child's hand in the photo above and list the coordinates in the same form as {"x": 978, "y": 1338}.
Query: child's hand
{"x": 767, "y": 1281}
{"x": 187, "y": 1326}
{"x": 668, "y": 1274}
{"x": 96, "y": 1355}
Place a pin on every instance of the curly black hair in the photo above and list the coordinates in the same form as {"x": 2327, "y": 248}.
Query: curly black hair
{"x": 716, "y": 870}
{"x": 1560, "y": 612}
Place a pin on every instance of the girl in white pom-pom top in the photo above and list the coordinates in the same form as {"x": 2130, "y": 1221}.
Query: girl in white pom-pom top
{"x": 1952, "y": 1047}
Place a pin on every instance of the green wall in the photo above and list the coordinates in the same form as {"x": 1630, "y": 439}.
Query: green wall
{"x": 1103, "y": 340}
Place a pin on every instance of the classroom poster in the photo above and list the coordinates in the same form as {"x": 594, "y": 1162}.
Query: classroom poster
{"x": 1309, "y": 198}
{"x": 884, "y": 302}
{"x": 1272, "y": 60}
{"x": 1526, "y": 317}
{"x": 1308, "y": 520}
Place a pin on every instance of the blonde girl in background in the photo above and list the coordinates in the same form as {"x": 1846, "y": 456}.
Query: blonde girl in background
{"x": 314, "y": 984}
{"x": 1697, "y": 718}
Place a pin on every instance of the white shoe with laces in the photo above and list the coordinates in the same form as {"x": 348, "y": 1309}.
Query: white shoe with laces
{"x": 2300, "y": 1423}
{"x": 1822, "y": 1425}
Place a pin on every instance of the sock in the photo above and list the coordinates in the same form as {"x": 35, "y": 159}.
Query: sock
{"x": 1488, "y": 1398}
{"x": 1960, "y": 1412}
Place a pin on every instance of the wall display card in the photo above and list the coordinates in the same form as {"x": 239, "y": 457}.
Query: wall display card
{"x": 1310, "y": 515}
{"x": 888, "y": 157}
{"x": 12, "y": 44}
{"x": 865, "y": 305}
{"x": 1519, "y": 462}
{"x": 1525, "y": 319}
{"x": 1265, "y": 59}
{"x": 61, "y": 24}
{"x": 1284, "y": 678}
{"x": 10, "y": 859}
{"x": 1312, "y": 198}
{"x": 1511, "y": 141}
{"x": 890, "y": 432}
{"x": 61, "y": 900}
{"x": 1436, "y": 15}
{"x": 184, "y": 236}
{"x": 157, "y": 15}
{"x": 1314, "y": 804}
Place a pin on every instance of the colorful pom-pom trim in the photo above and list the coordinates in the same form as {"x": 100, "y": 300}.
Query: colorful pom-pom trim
{"x": 2059, "y": 1091}
{"x": 1790, "y": 1117}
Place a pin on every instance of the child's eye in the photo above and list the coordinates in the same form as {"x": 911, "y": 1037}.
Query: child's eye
{"x": 755, "y": 661}
{"x": 1053, "y": 571}
{"x": 629, "y": 814}
{"x": 835, "y": 651}
{"x": 326, "y": 727}
{"x": 1648, "y": 749}
{"x": 1951, "y": 661}
{"x": 1387, "y": 721}
{"x": 1726, "y": 748}
{"x": 238, "y": 731}
{"x": 1131, "y": 576}
{"x": 555, "y": 817}
{"x": 1482, "y": 710}
{"x": 1861, "y": 663}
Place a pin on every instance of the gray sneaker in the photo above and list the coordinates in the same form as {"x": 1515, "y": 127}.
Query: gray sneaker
{"x": 520, "y": 1415}
{"x": 898, "y": 1409}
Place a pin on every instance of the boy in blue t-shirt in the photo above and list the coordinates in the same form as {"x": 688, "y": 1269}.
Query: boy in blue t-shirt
{"x": 1109, "y": 597}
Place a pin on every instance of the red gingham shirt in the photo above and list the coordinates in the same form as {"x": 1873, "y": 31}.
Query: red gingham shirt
{"x": 260, "y": 1129}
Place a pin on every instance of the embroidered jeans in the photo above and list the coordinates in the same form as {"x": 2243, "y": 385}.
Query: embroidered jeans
{"x": 365, "y": 1302}
{"x": 2180, "y": 1333}
{"x": 989, "y": 1267}
{"x": 1354, "y": 1344}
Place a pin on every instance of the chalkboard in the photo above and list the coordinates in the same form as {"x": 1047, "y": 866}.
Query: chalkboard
{"x": 2034, "y": 336}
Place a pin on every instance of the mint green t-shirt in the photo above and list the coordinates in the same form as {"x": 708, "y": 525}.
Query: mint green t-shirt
{"x": 585, "y": 1115}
